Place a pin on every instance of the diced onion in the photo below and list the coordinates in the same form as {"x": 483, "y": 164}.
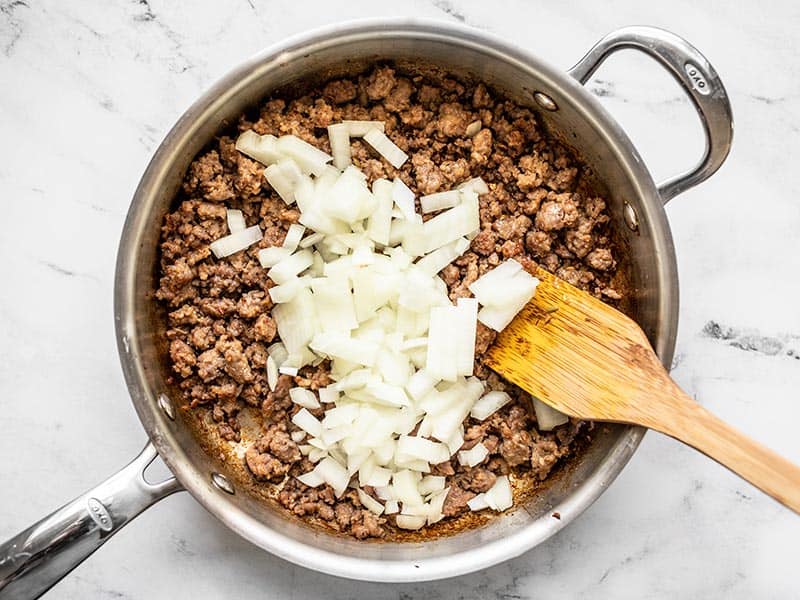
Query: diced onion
{"x": 499, "y": 497}
{"x": 473, "y": 456}
{"x": 369, "y": 502}
{"x": 385, "y": 147}
{"x": 489, "y": 404}
{"x": 269, "y": 257}
{"x": 401, "y": 353}
{"x": 476, "y": 184}
{"x": 290, "y": 266}
{"x": 333, "y": 474}
{"x": 339, "y": 137}
{"x": 437, "y": 260}
{"x": 477, "y": 503}
{"x": 284, "y": 176}
{"x": 307, "y": 422}
{"x": 430, "y": 484}
{"x": 262, "y": 148}
{"x": 293, "y": 237}
{"x": 311, "y": 479}
{"x": 440, "y": 200}
{"x": 272, "y": 373}
{"x": 236, "y": 220}
{"x": 235, "y": 242}
{"x": 547, "y": 417}
{"x": 303, "y": 397}
{"x": 409, "y": 522}
{"x": 404, "y": 199}
{"x": 311, "y": 240}
{"x": 309, "y": 158}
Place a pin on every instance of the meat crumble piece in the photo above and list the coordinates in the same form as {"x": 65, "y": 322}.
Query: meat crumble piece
{"x": 541, "y": 210}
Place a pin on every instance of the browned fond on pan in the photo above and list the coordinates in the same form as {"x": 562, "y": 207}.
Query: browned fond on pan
{"x": 229, "y": 455}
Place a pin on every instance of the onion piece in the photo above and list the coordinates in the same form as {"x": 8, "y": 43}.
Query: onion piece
{"x": 404, "y": 484}
{"x": 440, "y": 201}
{"x": 409, "y": 522}
{"x": 287, "y": 291}
{"x": 385, "y": 147}
{"x": 444, "y": 228}
{"x": 489, "y": 404}
{"x": 262, "y": 148}
{"x": 284, "y": 176}
{"x": 303, "y": 397}
{"x": 296, "y": 321}
{"x": 337, "y": 345}
{"x": 334, "y": 475}
{"x": 547, "y": 417}
{"x": 235, "y": 242}
{"x": 369, "y": 502}
{"x": 311, "y": 479}
{"x": 379, "y": 476}
{"x": 477, "y": 503}
{"x": 293, "y": 237}
{"x": 380, "y": 221}
{"x": 437, "y": 260}
{"x": 421, "y": 383}
{"x": 278, "y": 352}
{"x": 476, "y": 185}
{"x": 349, "y": 199}
{"x": 404, "y": 199}
{"x": 436, "y": 506}
{"x": 334, "y": 303}
{"x": 290, "y": 266}
{"x": 235, "y": 220}
{"x": 269, "y": 257}
{"x": 422, "y": 449}
{"x": 311, "y": 240}
{"x": 391, "y": 507}
{"x": 309, "y": 158}
{"x": 466, "y": 321}
{"x": 339, "y": 137}
{"x": 499, "y": 497}
{"x": 473, "y": 456}
{"x": 272, "y": 373}
{"x": 431, "y": 484}
{"x": 360, "y": 128}
{"x": 307, "y": 422}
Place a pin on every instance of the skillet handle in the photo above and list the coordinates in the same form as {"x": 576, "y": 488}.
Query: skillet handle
{"x": 697, "y": 78}
{"x": 39, "y": 557}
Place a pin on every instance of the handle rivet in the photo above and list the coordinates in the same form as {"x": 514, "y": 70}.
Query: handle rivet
{"x": 165, "y": 404}
{"x": 222, "y": 483}
{"x": 630, "y": 216}
{"x": 545, "y": 101}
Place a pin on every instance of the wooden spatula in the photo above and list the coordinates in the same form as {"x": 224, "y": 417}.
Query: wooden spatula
{"x": 590, "y": 361}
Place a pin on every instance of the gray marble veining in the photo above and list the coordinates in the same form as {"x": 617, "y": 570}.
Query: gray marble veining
{"x": 90, "y": 88}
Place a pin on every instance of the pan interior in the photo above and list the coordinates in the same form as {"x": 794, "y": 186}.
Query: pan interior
{"x": 193, "y": 455}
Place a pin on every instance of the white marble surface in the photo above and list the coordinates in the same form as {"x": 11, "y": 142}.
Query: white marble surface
{"x": 89, "y": 89}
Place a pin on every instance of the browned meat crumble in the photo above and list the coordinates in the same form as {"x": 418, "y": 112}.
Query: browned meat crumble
{"x": 540, "y": 210}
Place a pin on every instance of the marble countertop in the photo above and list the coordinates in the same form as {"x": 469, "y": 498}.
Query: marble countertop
{"x": 88, "y": 91}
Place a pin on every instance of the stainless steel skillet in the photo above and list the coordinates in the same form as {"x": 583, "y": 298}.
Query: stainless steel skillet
{"x": 34, "y": 560}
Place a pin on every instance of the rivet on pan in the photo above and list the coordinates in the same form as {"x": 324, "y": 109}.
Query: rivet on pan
{"x": 165, "y": 404}
{"x": 222, "y": 483}
{"x": 631, "y": 219}
{"x": 545, "y": 101}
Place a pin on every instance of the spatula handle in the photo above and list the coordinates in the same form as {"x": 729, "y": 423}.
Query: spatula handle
{"x": 771, "y": 473}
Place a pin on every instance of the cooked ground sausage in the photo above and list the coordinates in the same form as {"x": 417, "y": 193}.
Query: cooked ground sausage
{"x": 540, "y": 209}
